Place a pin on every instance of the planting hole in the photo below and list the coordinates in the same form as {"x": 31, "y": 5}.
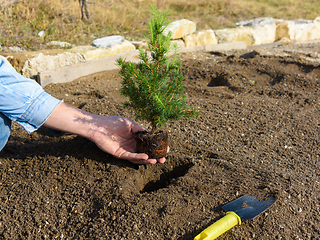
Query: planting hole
{"x": 166, "y": 177}
{"x": 220, "y": 80}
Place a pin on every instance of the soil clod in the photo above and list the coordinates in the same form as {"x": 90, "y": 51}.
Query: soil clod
{"x": 155, "y": 145}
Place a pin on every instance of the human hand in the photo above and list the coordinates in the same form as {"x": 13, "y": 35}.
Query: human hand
{"x": 115, "y": 135}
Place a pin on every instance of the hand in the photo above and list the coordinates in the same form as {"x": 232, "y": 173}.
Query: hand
{"x": 115, "y": 135}
{"x": 112, "y": 134}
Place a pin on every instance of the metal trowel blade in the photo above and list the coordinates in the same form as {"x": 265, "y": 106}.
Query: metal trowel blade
{"x": 248, "y": 207}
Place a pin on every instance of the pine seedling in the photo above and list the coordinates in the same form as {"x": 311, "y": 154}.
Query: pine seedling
{"x": 154, "y": 85}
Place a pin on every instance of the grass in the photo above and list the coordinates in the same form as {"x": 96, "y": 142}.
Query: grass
{"x": 61, "y": 19}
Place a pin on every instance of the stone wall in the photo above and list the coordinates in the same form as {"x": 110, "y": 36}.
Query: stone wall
{"x": 257, "y": 31}
{"x": 254, "y": 32}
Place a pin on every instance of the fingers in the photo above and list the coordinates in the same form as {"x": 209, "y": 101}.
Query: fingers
{"x": 140, "y": 158}
{"x": 137, "y": 158}
{"x": 161, "y": 160}
{"x": 145, "y": 162}
{"x": 148, "y": 161}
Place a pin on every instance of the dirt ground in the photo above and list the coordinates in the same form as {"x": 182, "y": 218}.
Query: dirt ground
{"x": 258, "y": 133}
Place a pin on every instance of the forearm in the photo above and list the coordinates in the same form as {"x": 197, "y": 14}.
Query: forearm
{"x": 70, "y": 119}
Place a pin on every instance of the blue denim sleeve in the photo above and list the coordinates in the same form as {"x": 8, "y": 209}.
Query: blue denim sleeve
{"x": 23, "y": 100}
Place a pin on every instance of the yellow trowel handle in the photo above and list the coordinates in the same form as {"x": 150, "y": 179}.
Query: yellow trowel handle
{"x": 224, "y": 224}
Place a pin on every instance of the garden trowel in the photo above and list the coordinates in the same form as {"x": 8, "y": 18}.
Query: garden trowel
{"x": 245, "y": 207}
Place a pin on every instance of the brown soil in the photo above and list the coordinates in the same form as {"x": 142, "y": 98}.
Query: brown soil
{"x": 258, "y": 133}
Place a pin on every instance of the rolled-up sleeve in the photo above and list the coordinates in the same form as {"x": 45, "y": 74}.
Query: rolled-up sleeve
{"x": 23, "y": 100}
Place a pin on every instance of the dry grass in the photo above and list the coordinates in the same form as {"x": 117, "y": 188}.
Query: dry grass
{"x": 61, "y": 19}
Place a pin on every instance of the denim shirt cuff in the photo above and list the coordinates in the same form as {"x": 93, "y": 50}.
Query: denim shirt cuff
{"x": 39, "y": 111}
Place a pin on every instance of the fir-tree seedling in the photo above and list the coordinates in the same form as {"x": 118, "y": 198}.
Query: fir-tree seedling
{"x": 154, "y": 85}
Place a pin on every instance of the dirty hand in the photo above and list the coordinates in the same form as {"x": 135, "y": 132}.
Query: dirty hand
{"x": 112, "y": 134}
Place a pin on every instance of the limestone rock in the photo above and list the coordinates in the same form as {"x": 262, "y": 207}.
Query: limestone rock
{"x": 144, "y": 45}
{"x": 18, "y": 59}
{"x": 200, "y": 38}
{"x": 298, "y": 30}
{"x": 44, "y": 62}
{"x": 90, "y": 53}
{"x": 235, "y": 35}
{"x": 180, "y": 28}
{"x": 284, "y": 29}
{"x": 264, "y": 34}
{"x": 263, "y": 29}
{"x": 255, "y": 32}
{"x": 141, "y": 44}
{"x": 306, "y": 30}
{"x": 108, "y": 42}
{"x": 82, "y": 48}
{"x": 257, "y": 22}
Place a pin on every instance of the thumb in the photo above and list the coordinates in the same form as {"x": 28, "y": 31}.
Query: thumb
{"x": 136, "y": 127}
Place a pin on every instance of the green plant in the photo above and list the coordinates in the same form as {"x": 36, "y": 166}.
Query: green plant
{"x": 154, "y": 86}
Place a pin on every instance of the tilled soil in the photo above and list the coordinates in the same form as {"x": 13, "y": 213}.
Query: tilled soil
{"x": 258, "y": 134}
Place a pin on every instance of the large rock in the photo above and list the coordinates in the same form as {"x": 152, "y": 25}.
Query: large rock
{"x": 255, "y": 32}
{"x": 284, "y": 30}
{"x": 90, "y": 52}
{"x": 264, "y": 34}
{"x": 200, "y": 38}
{"x": 108, "y": 42}
{"x": 263, "y": 29}
{"x": 229, "y": 35}
{"x": 141, "y": 44}
{"x": 44, "y": 62}
{"x": 81, "y": 49}
{"x": 180, "y": 28}
{"x": 144, "y": 45}
{"x": 18, "y": 59}
{"x": 306, "y": 30}
{"x": 256, "y": 22}
{"x": 298, "y": 30}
